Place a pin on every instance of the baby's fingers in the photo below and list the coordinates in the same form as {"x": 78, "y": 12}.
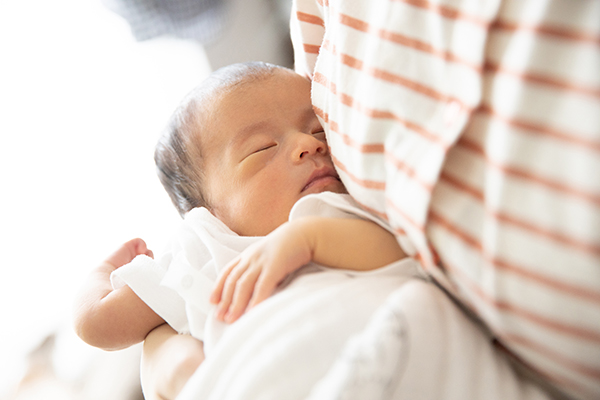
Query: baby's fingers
{"x": 229, "y": 289}
{"x": 243, "y": 292}
{"x": 263, "y": 289}
{"x": 215, "y": 296}
{"x": 149, "y": 253}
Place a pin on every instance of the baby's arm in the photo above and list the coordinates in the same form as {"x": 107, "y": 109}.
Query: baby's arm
{"x": 353, "y": 244}
{"x": 113, "y": 319}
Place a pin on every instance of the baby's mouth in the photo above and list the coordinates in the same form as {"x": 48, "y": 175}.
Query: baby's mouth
{"x": 321, "y": 177}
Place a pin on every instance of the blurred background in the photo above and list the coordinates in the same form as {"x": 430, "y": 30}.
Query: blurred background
{"x": 85, "y": 89}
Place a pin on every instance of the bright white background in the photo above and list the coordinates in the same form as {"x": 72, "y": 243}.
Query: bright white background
{"x": 81, "y": 107}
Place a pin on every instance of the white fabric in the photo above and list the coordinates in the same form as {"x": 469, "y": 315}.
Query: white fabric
{"x": 419, "y": 345}
{"x": 379, "y": 335}
{"x": 144, "y": 275}
{"x": 299, "y": 336}
{"x": 473, "y": 128}
{"x": 283, "y": 346}
{"x": 177, "y": 285}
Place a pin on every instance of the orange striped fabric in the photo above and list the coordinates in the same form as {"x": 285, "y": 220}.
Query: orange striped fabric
{"x": 474, "y": 129}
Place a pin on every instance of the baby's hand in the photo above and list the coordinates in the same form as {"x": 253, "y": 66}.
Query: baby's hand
{"x": 253, "y": 276}
{"x": 127, "y": 252}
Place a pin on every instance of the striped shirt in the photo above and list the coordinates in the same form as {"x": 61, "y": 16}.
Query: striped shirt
{"x": 473, "y": 128}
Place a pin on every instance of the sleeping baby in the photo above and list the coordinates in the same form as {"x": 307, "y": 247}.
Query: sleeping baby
{"x": 240, "y": 152}
{"x": 274, "y": 266}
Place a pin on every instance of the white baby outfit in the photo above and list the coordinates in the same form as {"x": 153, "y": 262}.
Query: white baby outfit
{"x": 177, "y": 285}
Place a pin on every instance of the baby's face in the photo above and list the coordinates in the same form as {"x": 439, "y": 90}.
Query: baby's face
{"x": 264, "y": 149}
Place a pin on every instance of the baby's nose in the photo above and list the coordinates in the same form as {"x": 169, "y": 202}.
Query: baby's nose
{"x": 309, "y": 145}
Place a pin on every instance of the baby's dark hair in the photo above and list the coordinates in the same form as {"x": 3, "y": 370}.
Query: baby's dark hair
{"x": 178, "y": 156}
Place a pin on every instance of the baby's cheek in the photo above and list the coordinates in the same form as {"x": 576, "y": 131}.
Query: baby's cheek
{"x": 274, "y": 214}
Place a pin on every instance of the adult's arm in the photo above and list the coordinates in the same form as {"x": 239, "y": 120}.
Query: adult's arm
{"x": 168, "y": 361}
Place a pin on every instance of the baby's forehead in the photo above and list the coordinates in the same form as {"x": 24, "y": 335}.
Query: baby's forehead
{"x": 242, "y": 98}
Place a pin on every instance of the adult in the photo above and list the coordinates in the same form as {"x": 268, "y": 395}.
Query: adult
{"x": 474, "y": 129}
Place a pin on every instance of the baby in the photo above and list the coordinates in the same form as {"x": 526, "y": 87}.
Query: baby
{"x": 245, "y": 145}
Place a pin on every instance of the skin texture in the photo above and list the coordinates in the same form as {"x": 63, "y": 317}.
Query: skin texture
{"x": 266, "y": 143}
{"x": 113, "y": 319}
{"x": 352, "y": 244}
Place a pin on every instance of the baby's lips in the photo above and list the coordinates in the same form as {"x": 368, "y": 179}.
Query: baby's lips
{"x": 319, "y": 174}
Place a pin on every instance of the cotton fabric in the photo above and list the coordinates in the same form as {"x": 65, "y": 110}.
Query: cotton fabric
{"x": 177, "y": 286}
{"x": 473, "y": 128}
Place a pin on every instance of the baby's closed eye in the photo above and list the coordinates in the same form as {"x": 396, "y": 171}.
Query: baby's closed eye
{"x": 263, "y": 148}
{"x": 258, "y": 150}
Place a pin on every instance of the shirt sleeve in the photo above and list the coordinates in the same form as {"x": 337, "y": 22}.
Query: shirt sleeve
{"x": 144, "y": 275}
{"x": 307, "y": 28}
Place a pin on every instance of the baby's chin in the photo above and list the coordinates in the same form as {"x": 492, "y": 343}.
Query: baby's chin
{"x": 335, "y": 188}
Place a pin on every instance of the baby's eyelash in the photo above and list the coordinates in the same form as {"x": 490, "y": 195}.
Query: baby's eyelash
{"x": 265, "y": 148}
